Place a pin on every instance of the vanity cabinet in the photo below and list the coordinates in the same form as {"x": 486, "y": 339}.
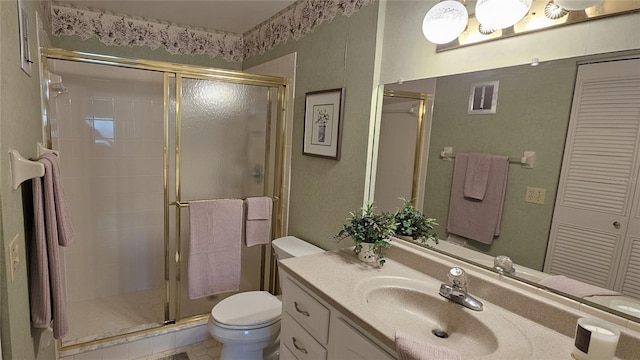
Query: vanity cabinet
{"x": 313, "y": 330}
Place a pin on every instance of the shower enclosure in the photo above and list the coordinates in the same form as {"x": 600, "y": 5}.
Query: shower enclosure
{"x": 399, "y": 166}
{"x": 138, "y": 141}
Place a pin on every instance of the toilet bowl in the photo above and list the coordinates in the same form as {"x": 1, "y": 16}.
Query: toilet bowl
{"x": 248, "y": 323}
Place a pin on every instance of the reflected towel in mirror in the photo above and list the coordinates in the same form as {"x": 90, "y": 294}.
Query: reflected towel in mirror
{"x": 575, "y": 287}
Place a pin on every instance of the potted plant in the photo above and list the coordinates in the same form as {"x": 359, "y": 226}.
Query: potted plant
{"x": 370, "y": 233}
{"x": 412, "y": 223}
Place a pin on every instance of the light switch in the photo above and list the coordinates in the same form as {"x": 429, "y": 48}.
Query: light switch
{"x": 535, "y": 195}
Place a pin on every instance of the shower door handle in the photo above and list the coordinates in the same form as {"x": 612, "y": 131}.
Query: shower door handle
{"x": 257, "y": 173}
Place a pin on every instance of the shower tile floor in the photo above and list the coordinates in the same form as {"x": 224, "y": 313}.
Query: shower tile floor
{"x": 205, "y": 350}
{"x": 114, "y": 315}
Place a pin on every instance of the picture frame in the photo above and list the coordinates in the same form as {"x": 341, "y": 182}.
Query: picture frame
{"x": 483, "y": 98}
{"x": 323, "y": 123}
{"x": 25, "y": 46}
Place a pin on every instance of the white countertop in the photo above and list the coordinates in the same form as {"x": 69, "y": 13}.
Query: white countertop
{"x": 337, "y": 277}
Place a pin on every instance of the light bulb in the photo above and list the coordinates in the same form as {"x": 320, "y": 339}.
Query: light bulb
{"x": 574, "y": 5}
{"x": 500, "y": 14}
{"x": 445, "y": 22}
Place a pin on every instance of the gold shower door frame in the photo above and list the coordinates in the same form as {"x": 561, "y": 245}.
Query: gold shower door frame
{"x": 179, "y": 72}
{"x": 417, "y": 160}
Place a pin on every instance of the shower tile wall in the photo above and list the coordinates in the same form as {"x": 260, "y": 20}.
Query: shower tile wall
{"x": 110, "y": 141}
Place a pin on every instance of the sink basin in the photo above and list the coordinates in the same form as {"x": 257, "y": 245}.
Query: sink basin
{"x": 416, "y": 308}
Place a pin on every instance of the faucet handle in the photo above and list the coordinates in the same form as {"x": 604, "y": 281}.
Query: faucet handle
{"x": 503, "y": 264}
{"x": 458, "y": 278}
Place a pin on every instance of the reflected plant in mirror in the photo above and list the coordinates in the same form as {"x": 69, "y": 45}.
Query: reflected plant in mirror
{"x": 414, "y": 224}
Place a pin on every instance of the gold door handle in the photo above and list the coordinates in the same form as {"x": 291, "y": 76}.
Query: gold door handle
{"x": 616, "y": 224}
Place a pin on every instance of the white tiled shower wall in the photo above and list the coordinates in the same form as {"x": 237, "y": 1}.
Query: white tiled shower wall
{"x": 110, "y": 140}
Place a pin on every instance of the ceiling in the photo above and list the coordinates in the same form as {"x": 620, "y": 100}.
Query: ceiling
{"x": 236, "y": 16}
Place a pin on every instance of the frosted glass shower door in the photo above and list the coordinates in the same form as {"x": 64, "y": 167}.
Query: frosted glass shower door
{"x": 224, "y": 151}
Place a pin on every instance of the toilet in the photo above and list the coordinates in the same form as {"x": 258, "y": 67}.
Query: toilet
{"x": 248, "y": 323}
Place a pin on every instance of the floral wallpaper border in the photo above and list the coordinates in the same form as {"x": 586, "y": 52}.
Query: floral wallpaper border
{"x": 297, "y": 20}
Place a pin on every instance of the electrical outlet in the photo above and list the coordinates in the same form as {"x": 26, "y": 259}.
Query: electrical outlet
{"x": 535, "y": 195}
{"x": 14, "y": 258}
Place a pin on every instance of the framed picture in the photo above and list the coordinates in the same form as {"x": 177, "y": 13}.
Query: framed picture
{"x": 25, "y": 48}
{"x": 483, "y": 98}
{"x": 323, "y": 123}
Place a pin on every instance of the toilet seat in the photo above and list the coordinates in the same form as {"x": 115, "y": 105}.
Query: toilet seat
{"x": 247, "y": 310}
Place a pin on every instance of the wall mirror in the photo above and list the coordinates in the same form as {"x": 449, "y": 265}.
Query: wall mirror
{"x": 533, "y": 114}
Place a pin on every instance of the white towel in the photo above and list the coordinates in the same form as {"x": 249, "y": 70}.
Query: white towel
{"x": 258, "y": 222}
{"x": 410, "y": 348}
{"x": 214, "y": 247}
{"x": 473, "y": 219}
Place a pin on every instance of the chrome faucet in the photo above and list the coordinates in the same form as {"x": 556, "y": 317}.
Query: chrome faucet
{"x": 457, "y": 290}
{"x": 504, "y": 265}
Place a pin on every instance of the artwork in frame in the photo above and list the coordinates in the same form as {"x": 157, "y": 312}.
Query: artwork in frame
{"x": 323, "y": 123}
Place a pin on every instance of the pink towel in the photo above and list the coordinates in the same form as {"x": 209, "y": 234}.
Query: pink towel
{"x": 65, "y": 230}
{"x": 410, "y": 348}
{"x": 478, "y": 220}
{"x": 477, "y": 175}
{"x": 52, "y": 229}
{"x": 258, "y": 222}
{"x": 214, "y": 247}
{"x": 575, "y": 287}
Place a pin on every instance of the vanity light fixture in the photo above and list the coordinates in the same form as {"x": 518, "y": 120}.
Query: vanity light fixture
{"x": 576, "y": 5}
{"x": 500, "y": 14}
{"x": 449, "y": 25}
{"x": 445, "y": 22}
{"x": 554, "y": 11}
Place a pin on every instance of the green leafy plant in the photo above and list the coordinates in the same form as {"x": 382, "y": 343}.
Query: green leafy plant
{"x": 365, "y": 226}
{"x": 413, "y": 223}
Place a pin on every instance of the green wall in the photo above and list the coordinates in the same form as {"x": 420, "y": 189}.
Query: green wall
{"x": 533, "y": 109}
{"x": 20, "y": 129}
{"x": 339, "y": 54}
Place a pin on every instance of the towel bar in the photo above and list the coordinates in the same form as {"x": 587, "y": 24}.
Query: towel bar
{"x": 527, "y": 160}
{"x": 22, "y": 169}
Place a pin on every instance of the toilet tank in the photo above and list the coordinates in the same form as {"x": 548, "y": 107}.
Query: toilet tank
{"x": 290, "y": 246}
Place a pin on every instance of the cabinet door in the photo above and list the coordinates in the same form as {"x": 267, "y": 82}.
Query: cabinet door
{"x": 347, "y": 343}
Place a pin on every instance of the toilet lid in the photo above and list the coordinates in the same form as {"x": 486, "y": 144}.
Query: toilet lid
{"x": 247, "y": 309}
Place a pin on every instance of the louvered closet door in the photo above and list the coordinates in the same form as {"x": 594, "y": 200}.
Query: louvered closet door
{"x": 595, "y": 194}
{"x": 628, "y": 279}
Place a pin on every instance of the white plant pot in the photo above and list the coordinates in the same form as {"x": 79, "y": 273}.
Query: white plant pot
{"x": 366, "y": 254}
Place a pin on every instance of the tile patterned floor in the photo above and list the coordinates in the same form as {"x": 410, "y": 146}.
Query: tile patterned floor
{"x": 206, "y": 350}
{"x": 106, "y": 317}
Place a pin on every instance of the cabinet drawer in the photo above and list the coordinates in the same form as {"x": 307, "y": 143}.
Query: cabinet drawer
{"x": 306, "y": 310}
{"x": 296, "y": 339}
{"x": 286, "y": 354}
